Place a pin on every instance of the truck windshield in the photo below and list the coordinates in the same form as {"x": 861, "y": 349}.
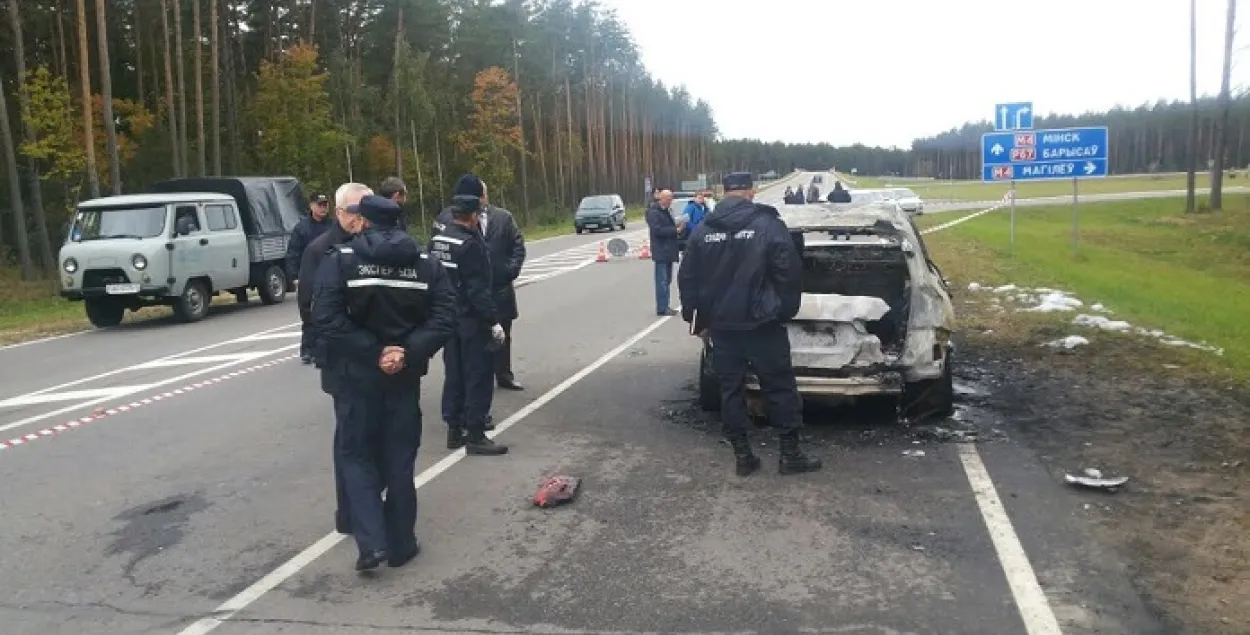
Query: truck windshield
{"x": 103, "y": 224}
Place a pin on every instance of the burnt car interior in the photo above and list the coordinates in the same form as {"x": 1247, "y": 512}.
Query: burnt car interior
{"x": 835, "y": 263}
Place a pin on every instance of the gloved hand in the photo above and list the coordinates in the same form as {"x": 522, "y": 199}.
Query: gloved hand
{"x": 497, "y": 334}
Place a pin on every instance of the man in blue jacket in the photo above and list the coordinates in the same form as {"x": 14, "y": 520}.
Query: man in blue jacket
{"x": 663, "y": 230}
{"x": 741, "y": 280}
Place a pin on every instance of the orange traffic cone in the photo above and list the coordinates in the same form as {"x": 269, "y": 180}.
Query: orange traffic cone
{"x": 645, "y": 253}
{"x": 603, "y": 253}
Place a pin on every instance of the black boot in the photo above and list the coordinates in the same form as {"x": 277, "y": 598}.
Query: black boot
{"x": 476, "y": 442}
{"x": 793, "y": 461}
{"x": 371, "y": 560}
{"x": 746, "y": 461}
{"x": 455, "y": 437}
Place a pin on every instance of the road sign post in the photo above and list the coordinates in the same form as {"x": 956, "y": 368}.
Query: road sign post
{"x": 1076, "y": 220}
{"x": 1046, "y": 155}
{"x": 1012, "y": 194}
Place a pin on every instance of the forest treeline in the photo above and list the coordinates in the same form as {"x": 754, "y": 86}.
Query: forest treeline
{"x": 547, "y": 99}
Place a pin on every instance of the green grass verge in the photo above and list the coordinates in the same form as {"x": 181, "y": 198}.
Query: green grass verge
{"x": 1144, "y": 259}
{"x": 29, "y": 310}
{"x": 936, "y": 191}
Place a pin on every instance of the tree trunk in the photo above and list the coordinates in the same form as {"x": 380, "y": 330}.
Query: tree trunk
{"x": 1192, "y": 156}
{"x": 84, "y": 79}
{"x": 200, "y": 146}
{"x": 184, "y": 157}
{"x": 143, "y": 93}
{"x": 171, "y": 107}
{"x": 63, "y": 58}
{"x": 520, "y": 122}
{"x": 395, "y": 72}
{"x": 214, "y": 62}
{"x": 32, "y": 167}
{"x": 15, "y": 192}
{"x": 229, "y": 28}
{"x": 1217, "y": 174}
{"x": 106, "y": 98}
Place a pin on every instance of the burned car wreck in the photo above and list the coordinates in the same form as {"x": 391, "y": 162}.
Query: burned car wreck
{"x": 876, "y": 316}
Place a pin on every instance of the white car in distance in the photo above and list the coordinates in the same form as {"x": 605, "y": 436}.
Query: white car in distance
{"x": 907, "y": 200}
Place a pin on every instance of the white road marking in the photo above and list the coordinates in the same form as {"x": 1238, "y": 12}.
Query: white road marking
{"x": 270, "y": 581}
{"x": 128, "y": 390}
{"x": 123, "y": 369}
{"x": 206, "y": 359}
{"x": 269, "y": 336}
{"x": 40, "y": 340}
{"x": 1035, "y": 611}
{"x": 73, "y": 395}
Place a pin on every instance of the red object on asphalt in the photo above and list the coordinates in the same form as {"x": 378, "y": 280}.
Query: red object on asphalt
{"x": 557, "y": 490}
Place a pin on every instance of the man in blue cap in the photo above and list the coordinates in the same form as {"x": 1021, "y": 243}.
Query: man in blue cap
{"x": 506, "y": 244}
{"x": 741, "y": 281}
{"x": 469, "y": 356}
{"x": 384, "y": 309}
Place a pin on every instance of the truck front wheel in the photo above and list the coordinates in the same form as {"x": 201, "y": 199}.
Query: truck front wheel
{"x": 192, "y": 305}
{"x": 104, "y": 312}
{"x": 273, "y": 285}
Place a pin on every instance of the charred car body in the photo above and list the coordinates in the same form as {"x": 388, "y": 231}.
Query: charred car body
{"x": 876, "y": 316}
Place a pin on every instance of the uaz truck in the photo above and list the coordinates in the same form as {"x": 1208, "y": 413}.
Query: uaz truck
{"x": 179, "y": 245}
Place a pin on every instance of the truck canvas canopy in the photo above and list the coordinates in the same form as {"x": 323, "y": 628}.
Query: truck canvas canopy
{"x": 270, "y": 206}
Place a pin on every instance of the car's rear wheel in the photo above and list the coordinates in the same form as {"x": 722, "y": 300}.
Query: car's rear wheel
{"x": 709, "y": 383}
{"x": 932, "y": 397}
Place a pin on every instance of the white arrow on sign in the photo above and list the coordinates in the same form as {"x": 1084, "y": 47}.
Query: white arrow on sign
{"x": 1020, "y": 116}
{"x": 1002, "y": 115}
{"x": 997, "y": 149}
{"x": 1090, "y": 167}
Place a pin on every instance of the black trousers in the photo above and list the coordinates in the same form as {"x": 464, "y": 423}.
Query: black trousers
{"x": 308, "y": 334}
{"x": 503, "y": 356}
{"x": 376, "y": 440}
{"x": 766, "y": 350}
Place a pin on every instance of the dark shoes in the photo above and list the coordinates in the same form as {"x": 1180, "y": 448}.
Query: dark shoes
{"x": 509, "y": 384}
{"x": 746, "y": 463}
{"x": 371, "y": 560}
{"x": 478, "y": 444}
{"x": 666, "y": 313}
{"x": 455, "y": 437}
{"x": 403, "y": 558}
{"x": 793, "y": 461}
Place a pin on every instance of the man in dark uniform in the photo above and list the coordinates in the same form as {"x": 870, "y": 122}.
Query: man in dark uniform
{"x": 741, "y": 280}
{"x": 347, "y": 223}
{"x": 308, "y": 229}
{"x": 468, "y": 358}
{"x": 507, "y": 256}
{"x": 384, "y": 309}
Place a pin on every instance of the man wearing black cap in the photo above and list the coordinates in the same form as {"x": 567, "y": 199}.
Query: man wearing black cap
{"x": 307, "y": 230}
{"x": 741, "y": 280}
{"x": 469, "y": 356}
{"x": 506, "y": 244}
{"x": 384, "y": 309}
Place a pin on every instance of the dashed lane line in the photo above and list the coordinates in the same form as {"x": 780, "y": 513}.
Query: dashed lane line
{"x": 104, "y": 413}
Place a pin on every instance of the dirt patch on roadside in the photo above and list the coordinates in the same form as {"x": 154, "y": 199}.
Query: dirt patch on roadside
{"x": 1136, "y": 409}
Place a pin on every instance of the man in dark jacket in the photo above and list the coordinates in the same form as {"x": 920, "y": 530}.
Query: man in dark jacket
{"x": 839, "y": 195}
{"x": 347, "y": 223}
{"x": 468, "y": 359}
{"x": 306, "y": 231}
{"x": 384, "y": 309}
{"x": 663, "y": 232}
{"x": 741, "y": 280}
{"x": 507, "y": 256}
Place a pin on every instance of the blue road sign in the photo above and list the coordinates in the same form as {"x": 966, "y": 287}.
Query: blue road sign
{"x": 1014, "y": 116}
{"x": 1036, "y": 155}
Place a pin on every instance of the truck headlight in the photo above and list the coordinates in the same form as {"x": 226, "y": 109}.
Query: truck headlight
{"x": 139, "y": 262}
{"x": 70, "y": 265}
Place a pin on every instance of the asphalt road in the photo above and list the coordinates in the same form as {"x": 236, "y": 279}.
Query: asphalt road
{"x": 199, "y": 503}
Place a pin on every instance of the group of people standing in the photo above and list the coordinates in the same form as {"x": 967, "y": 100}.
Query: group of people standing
{"x": 376, "y": 308}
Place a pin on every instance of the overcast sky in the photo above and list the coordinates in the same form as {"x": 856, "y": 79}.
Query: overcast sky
{"x": 913, "y": 68}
